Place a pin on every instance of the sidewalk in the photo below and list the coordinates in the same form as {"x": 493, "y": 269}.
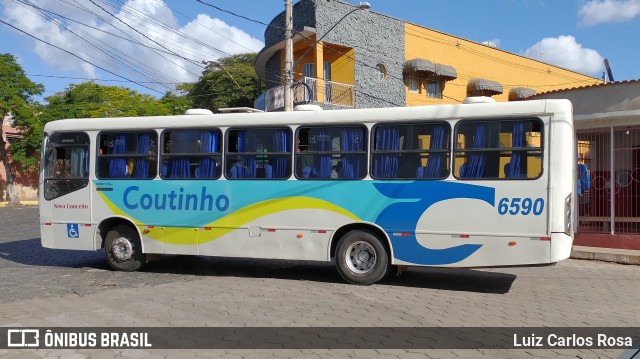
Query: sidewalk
{"x": 22, "y": 203}
{"x": 623, "y": 256}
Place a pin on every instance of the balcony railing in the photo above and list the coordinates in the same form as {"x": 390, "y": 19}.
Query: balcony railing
{"x": 318, "y": 92}
{"x": 334, "y": 93}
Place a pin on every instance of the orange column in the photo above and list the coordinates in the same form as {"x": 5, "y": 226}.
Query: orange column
{"x": 319, "y": 75}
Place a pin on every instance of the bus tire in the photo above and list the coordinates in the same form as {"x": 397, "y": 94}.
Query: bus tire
{"x": 361, "y": 258}
{"x": 123, "y": 249}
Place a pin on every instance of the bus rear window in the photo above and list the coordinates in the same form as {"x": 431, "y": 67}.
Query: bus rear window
{"x": 66, "y": 164}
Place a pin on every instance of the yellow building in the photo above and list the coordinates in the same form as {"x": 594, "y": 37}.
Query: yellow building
{"x": 346, "y": 56}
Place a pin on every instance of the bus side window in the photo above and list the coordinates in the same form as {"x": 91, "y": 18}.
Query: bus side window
{"x": 411, "y": 151}
{"x": 191, "y": 154}
{"x": 258, "y": 153}
{"x": 337, "y": 152}
{"x": 498, "y": 149}
{"x": 127, "y": 155}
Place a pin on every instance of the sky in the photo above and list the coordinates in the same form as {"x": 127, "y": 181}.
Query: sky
{"x": 151, "y": 45}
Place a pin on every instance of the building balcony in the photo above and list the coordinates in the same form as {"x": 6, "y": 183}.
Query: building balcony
{"x": 309, "y": 90}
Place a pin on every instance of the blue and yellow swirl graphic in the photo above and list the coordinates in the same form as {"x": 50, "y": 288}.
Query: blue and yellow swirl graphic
{"x": 395, "y": 206}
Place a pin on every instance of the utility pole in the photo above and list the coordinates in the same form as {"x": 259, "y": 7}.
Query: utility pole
{"x": 288, "y": 55}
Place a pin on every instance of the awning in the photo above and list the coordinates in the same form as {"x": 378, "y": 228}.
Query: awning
{"x": 447, "y": 72}
{"x": 484, "y": 85}
{"x": 418, "y": 65}
{"x": 520, "y": 93}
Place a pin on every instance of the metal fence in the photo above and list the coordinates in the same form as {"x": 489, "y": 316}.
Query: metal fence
{"x": 610, "y": 190}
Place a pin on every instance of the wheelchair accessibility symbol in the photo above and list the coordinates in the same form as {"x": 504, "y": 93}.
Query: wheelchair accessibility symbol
{"x": 72, "y": 230}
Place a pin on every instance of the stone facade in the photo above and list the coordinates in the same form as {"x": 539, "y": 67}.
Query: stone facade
{"x": 303, "y": 16}
{"x": 376, "y": 39}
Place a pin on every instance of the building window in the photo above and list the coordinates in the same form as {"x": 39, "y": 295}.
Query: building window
{"x": 434, "y": 87}
{"x": 309, "y": 70}
{"x": 382, "y": 72}
{"x": 413, "y": 83}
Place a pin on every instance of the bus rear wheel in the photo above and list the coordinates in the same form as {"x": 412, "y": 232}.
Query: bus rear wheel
{"x": 123, "y": 249}
{"x": 361, "y": 258}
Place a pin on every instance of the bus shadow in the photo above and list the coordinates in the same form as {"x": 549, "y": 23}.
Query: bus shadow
{"x": 29, "y": 252}
{"x": 452, "y": 279}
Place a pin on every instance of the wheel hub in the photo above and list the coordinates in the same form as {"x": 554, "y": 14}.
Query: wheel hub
{"x": 122, "y": 249}
{"x": 360, "y": 257}
{"x": 364, "y": 256}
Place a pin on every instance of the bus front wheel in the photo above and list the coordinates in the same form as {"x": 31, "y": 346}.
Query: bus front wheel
{"x": 123, "y": 250}
{"x": 361, "y": 258}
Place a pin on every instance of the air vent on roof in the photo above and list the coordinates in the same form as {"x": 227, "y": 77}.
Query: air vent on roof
{"x": 478, "y": 99}
{"x": 237, "y": 110}
{"x": 307, "y": 108}
{"x": 198, "y": 111}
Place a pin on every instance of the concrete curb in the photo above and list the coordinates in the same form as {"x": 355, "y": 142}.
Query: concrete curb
{"x": 622, "y": 256}
{"x": 22, "y": 203}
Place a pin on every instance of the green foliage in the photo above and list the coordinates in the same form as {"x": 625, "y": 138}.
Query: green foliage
{"x": 91, "y": 100}
{"x": 16, "y": 92}
{"x": 228, "y": 82}
{"x": 177, "y": 104}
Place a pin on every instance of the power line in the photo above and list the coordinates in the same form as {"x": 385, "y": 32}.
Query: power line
{"x": 122, "y": 58}
{"x": 102, "y": 80}
{"x": 155, "y": 22}
{"x": 76, "y": 56}
{"x": 141, "y": 34}
{"x": 95, "y": 28}
{"x": 206, "y": 27}
{"x": 221, "y": 65}
{"x": 95, "y": 45}
{"x": 487, "y": 56}
{"x": 234, "y": 14}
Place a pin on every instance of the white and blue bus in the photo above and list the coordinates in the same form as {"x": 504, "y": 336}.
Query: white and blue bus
{"x": 468, "y": 185}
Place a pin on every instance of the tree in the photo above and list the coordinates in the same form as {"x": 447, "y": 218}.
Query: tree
{"x": 91, "y": 100}
{"x": 177, "y": 104}
{"x": 229, "y": 82}
{"x": 16, "y": 102}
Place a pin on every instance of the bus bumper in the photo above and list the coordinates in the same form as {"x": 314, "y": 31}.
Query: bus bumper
{"x": 560, "y": 246}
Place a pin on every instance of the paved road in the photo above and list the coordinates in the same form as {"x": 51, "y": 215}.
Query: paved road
{"x": 46, "y": 288}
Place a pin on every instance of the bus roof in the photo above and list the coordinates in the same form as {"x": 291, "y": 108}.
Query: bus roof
{"x": 391, "y": 114}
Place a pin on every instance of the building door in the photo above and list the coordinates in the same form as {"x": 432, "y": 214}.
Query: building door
{"x": 327, "y": 82}
{"x": 309, "y": 78}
